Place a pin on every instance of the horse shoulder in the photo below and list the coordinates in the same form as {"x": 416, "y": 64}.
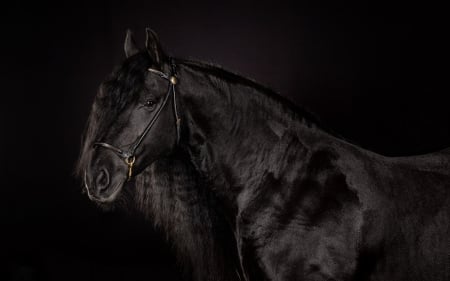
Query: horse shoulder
{"x": 306, "y": 227}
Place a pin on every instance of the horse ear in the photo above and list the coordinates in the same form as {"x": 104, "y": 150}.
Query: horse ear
{"x": 153, "y": 46}
{"x": 130, "y": 46}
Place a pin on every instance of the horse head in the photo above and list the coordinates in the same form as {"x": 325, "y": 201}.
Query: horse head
{"x": 133, "y": 121}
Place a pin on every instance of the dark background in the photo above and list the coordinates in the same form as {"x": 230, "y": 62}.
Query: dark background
{"x": 373, "y": 72}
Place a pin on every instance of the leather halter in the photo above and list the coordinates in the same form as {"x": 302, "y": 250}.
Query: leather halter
{"x": 129, "y": 156}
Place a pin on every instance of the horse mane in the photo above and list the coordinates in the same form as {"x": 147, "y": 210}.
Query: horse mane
{"x": 171, "y": 194}
{"x": 226, "y": 76}
{"x": 267, "y": 96}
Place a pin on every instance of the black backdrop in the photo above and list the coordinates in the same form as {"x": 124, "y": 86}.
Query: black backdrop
{"x": 374, "y": 72}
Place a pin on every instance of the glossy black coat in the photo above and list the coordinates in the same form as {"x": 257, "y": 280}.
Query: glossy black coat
{"x": 262, "y": 185}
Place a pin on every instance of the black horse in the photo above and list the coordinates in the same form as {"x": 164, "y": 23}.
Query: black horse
{"x": 249, "y": 187}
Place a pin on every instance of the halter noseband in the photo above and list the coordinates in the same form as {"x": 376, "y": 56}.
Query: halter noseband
{"x": 129, "y": 156}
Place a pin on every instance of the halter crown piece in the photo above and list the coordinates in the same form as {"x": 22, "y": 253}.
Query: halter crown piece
{"x": 129, "y": 156}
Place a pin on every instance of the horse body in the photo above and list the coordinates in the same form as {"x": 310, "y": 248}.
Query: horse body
{"x": 308, "y": 205}
{"x": 257, "y": 179}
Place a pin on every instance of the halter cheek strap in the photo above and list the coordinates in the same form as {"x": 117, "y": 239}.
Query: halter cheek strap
{"x": 129, "y": 156}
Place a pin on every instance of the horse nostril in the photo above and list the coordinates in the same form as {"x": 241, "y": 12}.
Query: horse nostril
{"x": 102, "y": 180}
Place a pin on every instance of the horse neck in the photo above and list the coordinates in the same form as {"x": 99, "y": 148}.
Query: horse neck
{"x": 233, "y": 128}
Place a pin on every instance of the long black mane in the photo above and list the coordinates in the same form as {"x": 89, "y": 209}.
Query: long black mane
{"x": 226, "y": 77}
{"x": 171, "y": 194}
